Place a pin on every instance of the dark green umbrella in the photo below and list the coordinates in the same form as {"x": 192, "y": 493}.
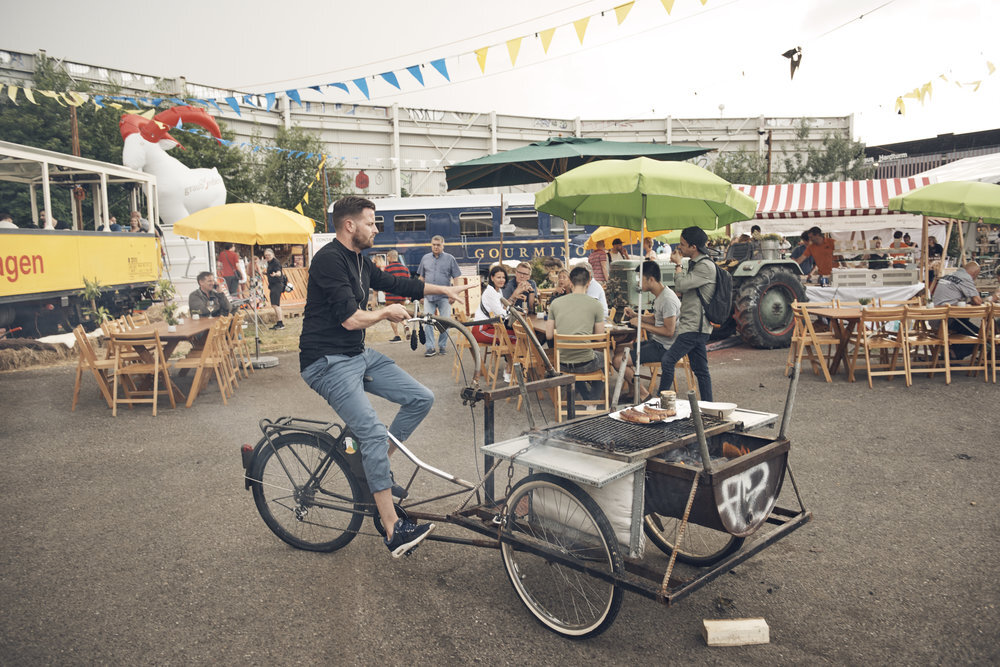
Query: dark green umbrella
{"x": 542, "y": 161}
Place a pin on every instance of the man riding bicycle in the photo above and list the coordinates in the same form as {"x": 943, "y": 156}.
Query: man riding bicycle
{"x": 336, "y": 364}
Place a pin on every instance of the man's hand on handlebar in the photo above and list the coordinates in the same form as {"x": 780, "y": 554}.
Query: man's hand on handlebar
{"x": 395, "y": 312}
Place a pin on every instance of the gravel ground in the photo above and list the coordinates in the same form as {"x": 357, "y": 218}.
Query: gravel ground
{"x": 132, "y": 540}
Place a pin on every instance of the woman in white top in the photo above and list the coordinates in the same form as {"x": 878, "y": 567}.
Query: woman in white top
{"x": 490, "y": 305}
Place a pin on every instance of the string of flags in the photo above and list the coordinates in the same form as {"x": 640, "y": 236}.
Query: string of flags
{"x": 267, "y": 101}
{"x": 926, "y": 91}
{"x": 315, "y": 180}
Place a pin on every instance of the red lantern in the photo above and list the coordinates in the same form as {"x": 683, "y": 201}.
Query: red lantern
{"x": 79, "y": 193}
{"x": 361, "y": 180}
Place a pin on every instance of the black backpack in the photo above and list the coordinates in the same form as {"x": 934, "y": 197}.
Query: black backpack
{"x": 720, "y": 308}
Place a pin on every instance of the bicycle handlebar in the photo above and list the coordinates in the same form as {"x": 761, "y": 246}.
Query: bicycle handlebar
{"x": 462, "y": 329}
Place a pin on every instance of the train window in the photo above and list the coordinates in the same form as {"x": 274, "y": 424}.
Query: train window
{"x": 479, "y": 223}
{"x": 526, "y": 223}
{"x": 410, "y": 223}
{"x": 380, "y": 223}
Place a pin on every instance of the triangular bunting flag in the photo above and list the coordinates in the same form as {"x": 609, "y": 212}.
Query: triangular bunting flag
{"x": 390, "y": 78}
{"x": 913, "y": 94}
{"x": 621, "y": 11}
{"x": 12, "y": 93}
{"x": 990, "y": 67}
{"x": 513, "y": 48}
{"x": 900, "y": 107}
{"x": 298, "y": 208}
{"x": 305, "y": 197}
{"x": 30, "y": 95}
{"x": 293, "y": 95}
{"x": 231, "y": 101}
{"x": 441, "y": 67}
{"x": 148, "y": 114}
{"x": 926, "y": 90}
{"x": 248, "y": 99}
{"x": 703, "y": 2}
{"x": 316, "y": 88}
{"x": 581, "y": 27}
{"x": 362, "y": 86}
{"x": 76, "y": 99}
{"x": 417, "y": 74}
{"x": 54, "y": 95}
{"x": 270, "y": 100}
{"x": 342, "y": 86}
{"x": 546, "y": 37}
{"x": 215, "y": 104}
{"x": 668, "y": 5}
{"x": 97, "y": 101}
{"x": 481, "y": 58}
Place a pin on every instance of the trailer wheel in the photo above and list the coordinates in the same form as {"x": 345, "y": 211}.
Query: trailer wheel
{"x": 764, "y": 307}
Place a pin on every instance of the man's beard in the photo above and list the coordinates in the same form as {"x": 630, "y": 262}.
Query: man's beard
{"x": 362, "y": 240}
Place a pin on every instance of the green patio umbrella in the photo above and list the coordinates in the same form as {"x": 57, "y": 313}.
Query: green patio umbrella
{"x": 542, "y": 161}
{"x": 959, "y": 200}
{"x": 645, "y": 194}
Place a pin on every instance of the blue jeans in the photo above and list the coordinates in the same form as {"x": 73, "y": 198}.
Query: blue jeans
{"x": 691, "y": 344}
{"x": 436, "y": 305}
{"x": 343, "y": 381}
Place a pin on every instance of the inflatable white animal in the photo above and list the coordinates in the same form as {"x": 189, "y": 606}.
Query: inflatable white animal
{"x": 182, "y": 190}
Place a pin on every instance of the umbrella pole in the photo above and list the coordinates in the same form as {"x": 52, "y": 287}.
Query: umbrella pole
{"x": 925, "y": 261}
{"x": 636, "y": 392}
{"x": 566, "y": 237}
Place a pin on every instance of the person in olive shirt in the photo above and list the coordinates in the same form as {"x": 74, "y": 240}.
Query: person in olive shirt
{"x": 577, "y": 314}
{"x": 693, "y": 328}
{"x": 206, "y": 300}
{"x": 336, "y": 364}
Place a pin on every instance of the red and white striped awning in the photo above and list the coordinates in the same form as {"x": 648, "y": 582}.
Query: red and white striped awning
{"x": 826, "y": 200}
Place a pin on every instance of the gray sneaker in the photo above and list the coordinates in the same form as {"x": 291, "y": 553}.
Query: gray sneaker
{"x": 430, "y": 353}
{"x": 405, "y": 536}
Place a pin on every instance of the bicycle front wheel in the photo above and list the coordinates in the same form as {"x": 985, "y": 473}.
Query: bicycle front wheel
{"x": 548, "y": 514}
{"x": 306, "y": 493}
{"x": 701, "y": 546}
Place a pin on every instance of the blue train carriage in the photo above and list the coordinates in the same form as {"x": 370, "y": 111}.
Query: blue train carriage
{"x": 471, "y": 227}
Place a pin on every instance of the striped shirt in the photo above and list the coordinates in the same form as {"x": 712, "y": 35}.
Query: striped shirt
{"x": 400, "y": 271}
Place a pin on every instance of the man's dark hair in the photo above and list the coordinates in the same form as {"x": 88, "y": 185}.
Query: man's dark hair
{"x": 695, "y": 236}
{"x": 897, "y": 234}
{"x": 230, "y": 246}
{"x": 651, "y": 269}
{"x": 814, "y": 231}
{"x": 616, "y": 242}
{"x": 203, "y": 275}
{"x": 347, "y": 207}
{"x": 579, "y": 276}
{"x": 755, "y": 228}
{"x": 6, "y": 216}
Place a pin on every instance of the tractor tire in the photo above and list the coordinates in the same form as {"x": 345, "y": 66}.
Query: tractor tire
{"x": 764, "y": 307}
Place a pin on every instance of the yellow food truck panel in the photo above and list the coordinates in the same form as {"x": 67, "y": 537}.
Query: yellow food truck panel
{"x": 38, "y": 262}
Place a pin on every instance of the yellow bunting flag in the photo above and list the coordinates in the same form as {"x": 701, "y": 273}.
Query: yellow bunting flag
{"x": 53, "y": 95}
{"x": 305, "y": 197}
{"x": 668, "y": 5}
{"x": 298, "y": 208}
{"x": 900, "y": 107}
{"x": 148, "y": 114}
{"x": 621, "y": 11}
{"x": 990, "y": 67}
{"x": 943, "y": 78}
{"x": 75, "y": 98}
{"x": 975, "y": 85}
{"x": 30, "y": 95}
{"x": 581, "y": 27}
{"x": 703, "y": 2}
{"x": 513, "y": 48}
{"x": 926, "y": 90}
{"x": 481, "y": 58}
{"x": 546, "y": 36}
{"x": 913, "y": 94}
{"x": 12, "y": 93}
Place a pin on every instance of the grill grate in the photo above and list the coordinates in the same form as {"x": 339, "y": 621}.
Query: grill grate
{"x": 612, "y": 435}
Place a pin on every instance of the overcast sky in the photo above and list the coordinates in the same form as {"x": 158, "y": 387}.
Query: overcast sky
{"x": 699, "y": 61}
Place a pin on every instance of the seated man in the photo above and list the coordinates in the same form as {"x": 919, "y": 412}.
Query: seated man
{"x": 659, "y": 324}
{"x": 950, "y": 290}
{"x": 577, "y": 314}
{"x": 521, "y": 290}
{"x": 206, "y": 300}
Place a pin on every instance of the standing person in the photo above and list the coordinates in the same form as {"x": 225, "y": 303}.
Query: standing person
{"x": 229, "y": 268}
{"x": 693, "y": 328}
{"x": 521, "y": 290}
{"x": 438, "y": 268}
{"x": 898, "y": 259}
{"x": 598, "y": 259}
{"x": 397, "y": 269}
{"x": 241, "y": 265}
{"x": 820, "y": 249}
{"x": 336, "y": 364}
{"x": 576, "y": 315}
{"x": 808, "y": 264}
{"x": 618, "y": 251}
{"x": 275, "y": 285}
{"x": 660, "y": 324}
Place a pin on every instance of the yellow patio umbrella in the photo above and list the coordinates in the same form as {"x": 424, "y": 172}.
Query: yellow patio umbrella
{"x": 609, "y": 234}
{"x": 249, "y": 224}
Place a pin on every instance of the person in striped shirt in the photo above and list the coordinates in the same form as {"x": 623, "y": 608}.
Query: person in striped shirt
{"x": 398, "y": 269}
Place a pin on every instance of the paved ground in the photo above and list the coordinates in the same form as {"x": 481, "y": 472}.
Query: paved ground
{"x": 132, "y": 541}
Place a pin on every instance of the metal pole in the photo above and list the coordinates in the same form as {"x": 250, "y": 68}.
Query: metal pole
{"x": 636, "y": 393}
{"x": 699, "y": 428}
{"x": 789, "y": 401}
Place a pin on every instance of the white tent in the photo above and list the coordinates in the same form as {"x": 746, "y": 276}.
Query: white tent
{"x": 983, "y": 168}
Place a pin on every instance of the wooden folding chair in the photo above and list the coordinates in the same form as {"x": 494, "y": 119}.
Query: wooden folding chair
{"x": 993, "y": 337}
{"x": 100, "y": 368}
{"x": 978, "y": 360}
{"x": 927, "y": 341}
{"x": 526, "y": 355}
{"x": 139, "y": 354}
{"x": 682, "y": 364}
{"x": 913, "y": 302}
{"x": 137, "y": 319}
{"x": 500, "y": 354}
{"x": 814, "y": 341}
{"x": 238, "y": 341}
{"x": 598, "y": 343}
{"x": 877, "y": 332}
{"x": 211, "y": 360}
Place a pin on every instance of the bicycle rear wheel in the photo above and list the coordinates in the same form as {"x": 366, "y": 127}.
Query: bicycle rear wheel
{"x": 306, "y": 493}
{"x": 547, "y": 513}
{"x": 700, "y": 545}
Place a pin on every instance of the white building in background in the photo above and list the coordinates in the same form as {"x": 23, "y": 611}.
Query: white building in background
{"x": 401, "y": 148}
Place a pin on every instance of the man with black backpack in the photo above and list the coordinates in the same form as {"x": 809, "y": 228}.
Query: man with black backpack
{"x": 697, "y": 287}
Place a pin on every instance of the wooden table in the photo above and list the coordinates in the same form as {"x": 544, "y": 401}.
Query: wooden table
{"x": 192, "y": 331}
{"x": 843, "y": 321}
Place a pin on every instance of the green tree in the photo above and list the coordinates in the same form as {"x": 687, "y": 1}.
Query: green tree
{"x": 742, "y": 167}
{"x": 838, "y": 159}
